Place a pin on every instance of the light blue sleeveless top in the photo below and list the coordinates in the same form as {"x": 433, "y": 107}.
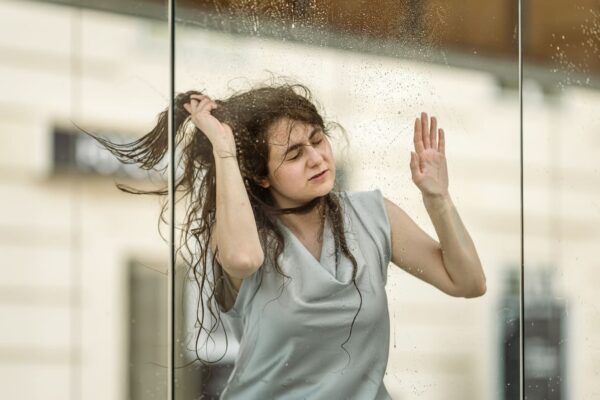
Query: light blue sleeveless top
{"x": 291, "y": 330}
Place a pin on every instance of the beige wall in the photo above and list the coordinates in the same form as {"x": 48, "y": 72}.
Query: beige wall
{"x": 65, "y": 243}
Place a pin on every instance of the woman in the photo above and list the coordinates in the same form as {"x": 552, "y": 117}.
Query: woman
{"x": 297, "y": 268}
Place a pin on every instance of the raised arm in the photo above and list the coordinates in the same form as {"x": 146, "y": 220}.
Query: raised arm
{"x": 235, "y": 239}
{"x": 452, "y": 264}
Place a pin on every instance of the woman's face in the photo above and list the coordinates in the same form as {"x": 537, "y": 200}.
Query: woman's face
{"x": 294, "y": 160}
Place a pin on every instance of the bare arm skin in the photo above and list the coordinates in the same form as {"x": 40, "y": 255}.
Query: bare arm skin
{"x": 235, "y": 239}
{"x": 452, "y": 265}
{"x": 235, "y": 234}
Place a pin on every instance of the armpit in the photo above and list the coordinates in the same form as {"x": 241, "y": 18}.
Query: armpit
{"x": 225, "y": 292}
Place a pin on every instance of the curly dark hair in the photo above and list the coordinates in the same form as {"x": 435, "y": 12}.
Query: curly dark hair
{"x": 250, "y": 114}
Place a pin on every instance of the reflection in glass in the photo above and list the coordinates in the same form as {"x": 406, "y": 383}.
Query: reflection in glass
{"x": 373, "y": 70}
{"x": 561, "y": 170}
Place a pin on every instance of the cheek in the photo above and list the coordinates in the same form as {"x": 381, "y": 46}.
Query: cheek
{"x": 291, "y": 177}
{"x": 294, "y": 171}
{"x": 285, "y": 174}
{"x": 328, "y": 147}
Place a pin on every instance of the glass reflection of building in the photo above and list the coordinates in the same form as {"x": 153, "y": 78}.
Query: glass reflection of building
{"x": 101, "y": 288}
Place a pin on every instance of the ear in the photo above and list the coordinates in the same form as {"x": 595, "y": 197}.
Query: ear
{"x": 264, "y": 182}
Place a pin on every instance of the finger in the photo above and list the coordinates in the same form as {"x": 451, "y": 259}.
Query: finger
{"x": 210, "y": 106}
{"x": 442, "y": 145}
{"x": 204, "y": 104}
{"x": 433, "y": 133}
{"x": 425, "y": 130}
{"x": 198, "y": 96}
{"x": 418, "y": 137}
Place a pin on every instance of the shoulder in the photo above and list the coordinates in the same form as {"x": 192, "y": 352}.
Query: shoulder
{"x": 361, "y": 196}
{"x": 369, "y": 206}
{"x": 370, "y": 221}
{"x": 365, "y": 200}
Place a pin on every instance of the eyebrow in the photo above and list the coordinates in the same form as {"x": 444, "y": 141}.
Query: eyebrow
{"x": 296, "y": 145}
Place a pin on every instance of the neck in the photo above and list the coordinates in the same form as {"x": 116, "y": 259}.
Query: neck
{"x": 305, "y": 224}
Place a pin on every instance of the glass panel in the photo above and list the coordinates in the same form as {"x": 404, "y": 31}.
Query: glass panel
{"x": 561, "y": 170}
{"x": 372, "y": 70}
{"x": 83, "y": 296}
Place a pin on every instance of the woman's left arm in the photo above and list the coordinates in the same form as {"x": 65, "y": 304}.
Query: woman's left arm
{"x": 452, "y": 265}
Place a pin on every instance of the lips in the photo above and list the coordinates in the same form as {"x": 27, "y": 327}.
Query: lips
{"x": 319, "y": 174}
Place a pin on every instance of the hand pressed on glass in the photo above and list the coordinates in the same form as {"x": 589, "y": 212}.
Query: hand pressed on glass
{"x": 428, "y": 163}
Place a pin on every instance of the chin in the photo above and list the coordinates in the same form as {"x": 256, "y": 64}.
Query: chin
{"x": 326, "y": 189}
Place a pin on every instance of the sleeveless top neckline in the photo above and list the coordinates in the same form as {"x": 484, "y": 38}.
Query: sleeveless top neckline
{"x": 294, "y": 331}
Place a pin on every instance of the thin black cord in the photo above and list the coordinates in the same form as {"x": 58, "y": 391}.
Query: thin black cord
{"x": 171, "y": 184}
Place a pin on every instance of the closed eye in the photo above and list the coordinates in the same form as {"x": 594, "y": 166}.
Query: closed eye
{"x": 299, "y": 152}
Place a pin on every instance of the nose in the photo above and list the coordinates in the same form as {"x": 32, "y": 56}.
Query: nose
{"x": 314, "y": 156}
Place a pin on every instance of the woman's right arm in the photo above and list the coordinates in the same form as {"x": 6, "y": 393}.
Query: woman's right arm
{"x": 235, "y": 233}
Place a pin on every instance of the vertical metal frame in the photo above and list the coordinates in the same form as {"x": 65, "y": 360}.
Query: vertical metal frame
{"x": 171, "y": 193}
{"x": 522, "y": 280}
